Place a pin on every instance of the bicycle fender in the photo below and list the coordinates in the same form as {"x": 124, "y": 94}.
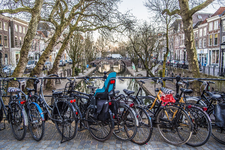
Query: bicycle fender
{"x": 40, "y": 110}
{"x": 137, "y": 122}
{"x": 25, "y": 117}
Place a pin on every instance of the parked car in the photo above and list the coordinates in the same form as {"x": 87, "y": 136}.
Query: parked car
{"x": 180, "y": 64}
{"x": 62, "y": 63}
{"x": 174, "y": 62}
{"x": 47, "y": 65}
{"x": 185, "y": 65}
{"x": 70, "y": 61}
{"x": 8, "y": 70}
{"x": 30, "y": 65}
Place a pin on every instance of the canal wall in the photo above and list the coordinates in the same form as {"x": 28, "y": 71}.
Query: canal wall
{"x": 149, "y": 85}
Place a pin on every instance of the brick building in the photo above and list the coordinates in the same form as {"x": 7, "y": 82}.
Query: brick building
{"x": 4, "y": 40}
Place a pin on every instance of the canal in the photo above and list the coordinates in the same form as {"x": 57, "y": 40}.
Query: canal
{"x": 130, "y": 84}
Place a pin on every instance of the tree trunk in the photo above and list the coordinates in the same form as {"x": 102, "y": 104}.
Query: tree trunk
{"x": 55, "y": 67}
{"x": 167, "y": 52}
{"x": 31, "y": 32}
{"x": 189, "y": 38}
{"x": 73, "y": 69}
{"x": 45, "y": 55}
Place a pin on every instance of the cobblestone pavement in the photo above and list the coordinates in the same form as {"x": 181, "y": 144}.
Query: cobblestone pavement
{"x": 83, "y": 140}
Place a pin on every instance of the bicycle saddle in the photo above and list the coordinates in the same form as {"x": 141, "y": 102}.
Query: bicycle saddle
{"x": 29, "y": 90}
{"x": 166, "y": 91}
{"x": 186, "y": 90}
{"x": 128, "y": 92}
{"x": 56, "y": 92}
{"x": 13, "y": 89}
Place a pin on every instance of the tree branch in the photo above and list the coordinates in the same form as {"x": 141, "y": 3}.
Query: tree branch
{"x": 199, "y": 7}
{"x": 29, "y": 10}
{"x": 177, "y": 11}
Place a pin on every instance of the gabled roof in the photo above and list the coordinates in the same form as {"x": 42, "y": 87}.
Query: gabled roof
{"x": 197, "y": 24}
{"x": 219, "y": 12}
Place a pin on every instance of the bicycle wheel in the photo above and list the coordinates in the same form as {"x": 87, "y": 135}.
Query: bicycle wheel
{"x": 125, "y": 123}
{"x": 99, "y": 130}
{"x": 66, "y": 124}
{"x": 17, "y": 121}
{"x": 36, "y": 123}
{"x": 218, "y": 133}
{"x": 202, "y": 126}
{"x": 174, "y": 125}
{"x": 144, "y": 129}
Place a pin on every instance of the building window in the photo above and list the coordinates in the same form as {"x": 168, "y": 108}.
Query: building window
{"x": 204, "y": 32}
{"x": 6, "y": 59}
{"x": 20, "y": 41}
{"x": 210, "y": 26}
{"x": 0, "y": 39}
{"x": 5, "y": 41}
{"x": 20, "y": 29}
{"x": 223, "y": 25}
{"x": 24, "y": 30}
{"x": 200, "y": 43}
{"x": 215, "y": 25}
{"x": 215, "y": 39}
{"x": 0, "y": 25}
{"x": 16, "y": 28}
{"x": 204, "y": 43}
{"x": 200, "y": 33}
{"x": 210, "y": 40}
{"x": 223, "y": 39}
{"x": 5, "y": 26}
{"x": 196, "y": 43}
{"x": 215, "y": 56}
{"x": 16, "y": 41}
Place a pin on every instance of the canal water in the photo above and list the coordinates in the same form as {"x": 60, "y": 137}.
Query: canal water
{"x": 129, "y": 84}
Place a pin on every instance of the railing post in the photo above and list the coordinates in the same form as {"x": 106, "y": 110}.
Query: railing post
{"x": 203, "y": 69}
{"x": 208, "y": 70}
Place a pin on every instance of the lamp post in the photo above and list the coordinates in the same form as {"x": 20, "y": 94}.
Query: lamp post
{"x": 184, "y": 56}
{"x": 1, "y": 60}
{"x": 222, "y": 48}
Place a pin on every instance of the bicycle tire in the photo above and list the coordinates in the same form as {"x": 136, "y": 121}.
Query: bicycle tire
{"x": 17, "y": 121}
{"x": 1, "y": 113}
{"x": 124, "y": 119}
{"x": 217, "y": 132}
{"x": 144, "y": 129}
{"x": 94, "y": 126}
{"x": 36, "y": 123}
{"x": 171, "y": 125}
{"x": 201, "y": 126}
{"x": 68, "y": 126}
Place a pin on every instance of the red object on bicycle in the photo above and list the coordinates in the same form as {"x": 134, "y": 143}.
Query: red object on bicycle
{"x": 168, "y": 98}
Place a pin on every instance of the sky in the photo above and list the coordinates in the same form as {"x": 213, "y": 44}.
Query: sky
{"x": 141, "y": 12}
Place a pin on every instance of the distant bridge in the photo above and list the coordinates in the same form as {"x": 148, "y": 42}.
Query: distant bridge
{"x": 112, "y": 62}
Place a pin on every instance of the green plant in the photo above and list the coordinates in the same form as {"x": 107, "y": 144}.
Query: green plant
{"x": 160, "y": 73}
{"x": 77, "y": 71}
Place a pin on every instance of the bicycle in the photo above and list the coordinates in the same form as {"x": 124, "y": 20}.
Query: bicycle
{"x": 209, "y": 100}
{"x": 89, "y": 112}
{"x": 61, "y": 112}
{"x": 14, "y": 113}
{"x": 201, "y": 122}
{"x": 145, "y": 129}
{"x": 171, "y": 120}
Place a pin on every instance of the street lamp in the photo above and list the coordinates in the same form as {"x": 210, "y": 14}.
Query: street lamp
{"x": 222, "y": 48}
{"x": 184, "y": 56}
{"x": 1, "y": 47}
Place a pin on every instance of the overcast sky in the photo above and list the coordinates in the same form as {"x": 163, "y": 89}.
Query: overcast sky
{"x": 141, "y": 12}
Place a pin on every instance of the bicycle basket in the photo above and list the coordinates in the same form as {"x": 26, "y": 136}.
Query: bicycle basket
{"x": 102, "y": 110}
{"x": 168, "y": 98}
{"x": 219, "y": 112}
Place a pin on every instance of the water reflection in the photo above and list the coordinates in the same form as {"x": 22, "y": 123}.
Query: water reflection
{"x": 129, "y": 84}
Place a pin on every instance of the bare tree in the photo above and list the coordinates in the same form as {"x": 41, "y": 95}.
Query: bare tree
{"x": 157, "y": 6}
{"x": 145, "y": 42}
{"x": 26, "y": 7}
